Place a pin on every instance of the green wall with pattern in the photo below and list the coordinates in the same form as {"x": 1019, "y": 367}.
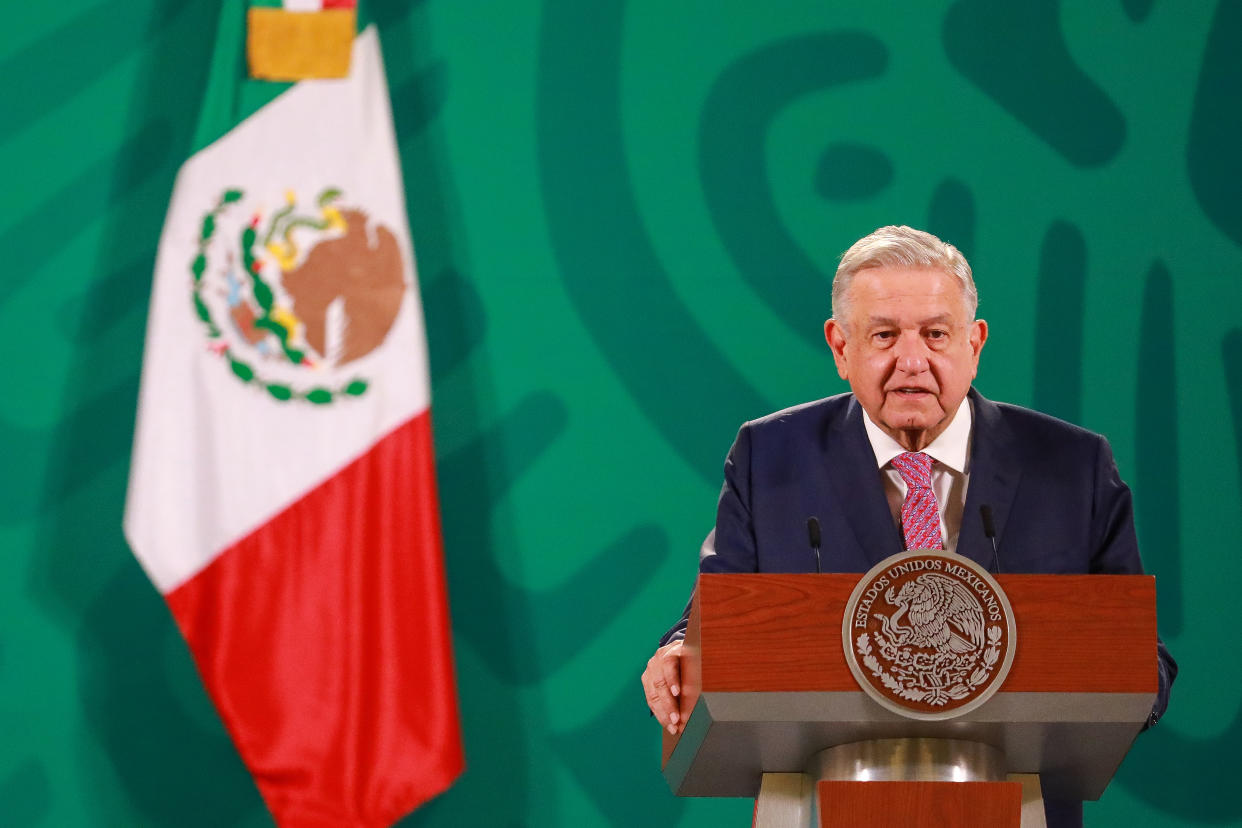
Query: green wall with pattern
{"x": 625, "y": 216}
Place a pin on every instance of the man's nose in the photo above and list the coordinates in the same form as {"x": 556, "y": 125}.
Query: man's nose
{"x": 911, "y": 354}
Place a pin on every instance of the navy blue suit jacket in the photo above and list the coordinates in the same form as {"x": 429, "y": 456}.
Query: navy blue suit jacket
{"x": 1058, "y": 503}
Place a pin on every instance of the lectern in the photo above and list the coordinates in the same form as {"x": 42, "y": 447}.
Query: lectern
{"x": 777, "y": 714}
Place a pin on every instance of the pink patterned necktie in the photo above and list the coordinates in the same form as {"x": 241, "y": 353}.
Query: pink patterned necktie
{"x": 920, "y": 514}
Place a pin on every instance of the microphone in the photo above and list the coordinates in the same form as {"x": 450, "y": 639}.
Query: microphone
{"x": 812, "y": 532}
{"x": 989, "y": 531}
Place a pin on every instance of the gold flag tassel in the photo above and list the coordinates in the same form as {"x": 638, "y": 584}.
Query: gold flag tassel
{"x": 284, "y": 45}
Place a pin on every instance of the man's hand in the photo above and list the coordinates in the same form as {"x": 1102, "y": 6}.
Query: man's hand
{"x": 662, "y": 686}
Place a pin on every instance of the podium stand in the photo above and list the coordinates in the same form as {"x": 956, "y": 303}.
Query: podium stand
{"x": 777, "y": 714}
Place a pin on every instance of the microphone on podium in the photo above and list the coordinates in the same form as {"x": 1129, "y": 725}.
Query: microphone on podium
{"x": 989, "y": 531}
{"x": 812, "y": 532}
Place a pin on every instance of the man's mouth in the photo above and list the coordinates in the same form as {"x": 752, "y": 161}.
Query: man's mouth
{"x": 910, "y": 391}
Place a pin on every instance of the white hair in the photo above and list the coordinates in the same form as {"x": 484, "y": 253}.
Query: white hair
{"x": 901, "y": 246}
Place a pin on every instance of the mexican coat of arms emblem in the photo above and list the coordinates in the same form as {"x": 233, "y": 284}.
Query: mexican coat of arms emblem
{"x": 929, "y": 635}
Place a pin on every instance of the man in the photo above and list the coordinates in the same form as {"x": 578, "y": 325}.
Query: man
{"x": 905, "y": 337}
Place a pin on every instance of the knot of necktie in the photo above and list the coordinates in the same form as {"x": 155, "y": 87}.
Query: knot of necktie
{"x": 915, "y": 468}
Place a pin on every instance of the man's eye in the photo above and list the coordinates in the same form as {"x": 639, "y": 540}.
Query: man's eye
{"x": 937, "y": 334}
{"x": 882, "y": 335}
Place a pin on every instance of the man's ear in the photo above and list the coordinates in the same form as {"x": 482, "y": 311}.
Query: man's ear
{"x": 834, "y": 334}
{"x": 978, "y": 336}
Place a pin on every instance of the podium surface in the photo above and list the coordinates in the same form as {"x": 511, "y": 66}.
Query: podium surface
{"x": 764, "y": 672}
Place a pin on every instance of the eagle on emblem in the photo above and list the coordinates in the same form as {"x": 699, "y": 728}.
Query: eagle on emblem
{"x": 942, "y": 612}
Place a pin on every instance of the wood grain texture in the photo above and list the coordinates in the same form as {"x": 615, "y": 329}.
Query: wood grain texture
{"x": 920, "y": 804}
{"x": 769, "y": 632}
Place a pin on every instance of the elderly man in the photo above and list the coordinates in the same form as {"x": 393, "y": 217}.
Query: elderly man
{"x": 905, "y": 337}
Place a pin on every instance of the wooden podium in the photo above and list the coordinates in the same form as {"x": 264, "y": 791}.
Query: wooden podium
{"x": 777, "y": 714}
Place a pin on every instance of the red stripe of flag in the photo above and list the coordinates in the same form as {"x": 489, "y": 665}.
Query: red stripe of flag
{"x": 323, "y": 637}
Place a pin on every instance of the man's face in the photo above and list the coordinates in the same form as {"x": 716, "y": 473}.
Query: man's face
{"x": 908, "y": 349}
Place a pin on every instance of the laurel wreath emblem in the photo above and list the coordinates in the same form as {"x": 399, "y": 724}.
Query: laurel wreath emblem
{"x": 282, "y": 222}
{"x": 930, "y": 678}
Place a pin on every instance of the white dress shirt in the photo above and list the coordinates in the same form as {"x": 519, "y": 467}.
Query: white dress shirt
{"x": 950, "y": 470}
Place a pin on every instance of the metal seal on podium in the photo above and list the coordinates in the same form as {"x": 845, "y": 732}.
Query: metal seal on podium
{"x": 929, "y": 635}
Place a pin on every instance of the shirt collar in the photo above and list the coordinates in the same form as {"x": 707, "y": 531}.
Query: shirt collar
{"x": 950, "y": 449}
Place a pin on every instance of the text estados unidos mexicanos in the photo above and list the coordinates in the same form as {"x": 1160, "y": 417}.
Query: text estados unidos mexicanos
{"x": 962, "y": 573}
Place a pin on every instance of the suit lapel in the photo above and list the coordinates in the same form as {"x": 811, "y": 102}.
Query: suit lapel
{"x": 994, "y": 475}
{"x": 861, "y": 493}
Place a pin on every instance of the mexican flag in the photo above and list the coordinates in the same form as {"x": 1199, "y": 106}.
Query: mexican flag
{"x": 282, "y": 494}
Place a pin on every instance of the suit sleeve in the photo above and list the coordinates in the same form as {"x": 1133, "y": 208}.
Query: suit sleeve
{"x": 1115, "y": 552}
{"x": 730, "y": 546}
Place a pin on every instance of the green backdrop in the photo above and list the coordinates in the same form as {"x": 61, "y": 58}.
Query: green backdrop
{"x": 625, "y": 214}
